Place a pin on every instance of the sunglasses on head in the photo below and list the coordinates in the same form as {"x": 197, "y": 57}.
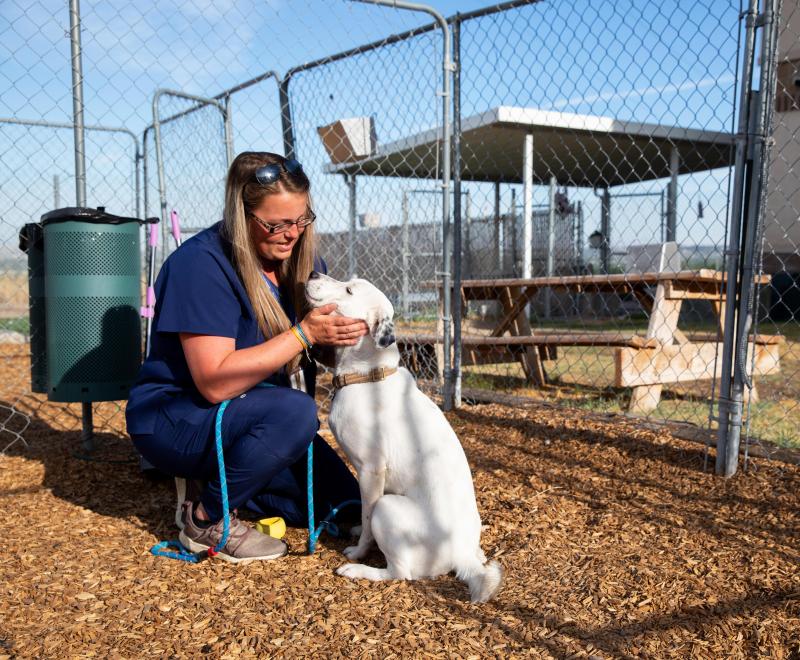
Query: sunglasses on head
{"x": 271, "y": 173}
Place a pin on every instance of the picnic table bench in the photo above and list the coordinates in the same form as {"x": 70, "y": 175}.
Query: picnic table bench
{"x": 664, "y": 355}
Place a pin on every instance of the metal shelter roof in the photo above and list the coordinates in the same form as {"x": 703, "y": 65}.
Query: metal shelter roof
{"x": 579, "y": 150}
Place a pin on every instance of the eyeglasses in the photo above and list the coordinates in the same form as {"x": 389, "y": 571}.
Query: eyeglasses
{"x": 301, "y": 222}
{"x": 272, "y": 172}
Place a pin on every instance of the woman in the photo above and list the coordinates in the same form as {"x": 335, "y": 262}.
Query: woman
{"x": 226, "y": 319}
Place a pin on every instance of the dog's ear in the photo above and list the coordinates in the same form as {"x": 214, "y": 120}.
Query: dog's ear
{"x": 382, "y": 330}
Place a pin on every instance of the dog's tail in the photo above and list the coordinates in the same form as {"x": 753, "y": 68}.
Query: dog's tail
{"x": 484, "y": 579}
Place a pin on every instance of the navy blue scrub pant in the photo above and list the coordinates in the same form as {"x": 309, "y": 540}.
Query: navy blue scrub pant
{"x": 265, "y": 437}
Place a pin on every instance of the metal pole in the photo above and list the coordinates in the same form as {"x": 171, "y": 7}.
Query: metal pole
{"x": 286, "y": 117}
{"x": 605, "y": 230}
{"x": 162, "y": 184}
{"x": 579, "y": 239}
{"x": 514, "y": 247}
{"x": 228, "y": 130}
{"x": 527, "y": 207}
{"x": 87, "y": 433}
{"x": 732, "y": 254}
{"x": 498, "y": 248}
{"x": 137, "y": 183}
{"x": 457, "y": 270}
{"x": 579, "y": 257}
{"x": 77, "y": 102}
{"x": 761, "y": 123}
{"x": 467, "y": 249}
{"x": 56, "y": 192}
{"x": 551, "y": 245}
{"x": 353, "y": 235}
{"x": 672, "y": 199}
{"x": 754, "y": 258}
{"x": 405, "y": 238}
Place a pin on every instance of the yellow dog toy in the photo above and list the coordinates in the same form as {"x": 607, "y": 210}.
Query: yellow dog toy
{"x": 274, "y": 527}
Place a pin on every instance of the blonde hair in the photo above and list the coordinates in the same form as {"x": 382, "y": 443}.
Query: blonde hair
{"x": 243, "y": 194}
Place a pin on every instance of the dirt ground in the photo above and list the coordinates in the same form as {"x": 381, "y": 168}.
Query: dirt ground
{"x": 614, "y": 541}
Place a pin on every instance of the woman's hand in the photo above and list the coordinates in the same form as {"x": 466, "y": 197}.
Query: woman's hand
{"x": 321, "y": 327}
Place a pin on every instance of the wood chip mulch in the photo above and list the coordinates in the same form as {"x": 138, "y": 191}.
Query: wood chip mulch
{"x": 614, "y": 541}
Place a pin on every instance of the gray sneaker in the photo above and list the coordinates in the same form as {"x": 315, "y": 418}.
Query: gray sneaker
{"x": 244, "y": 543}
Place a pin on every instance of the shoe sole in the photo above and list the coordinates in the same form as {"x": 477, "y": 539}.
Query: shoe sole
{"x": 194, "y": 546}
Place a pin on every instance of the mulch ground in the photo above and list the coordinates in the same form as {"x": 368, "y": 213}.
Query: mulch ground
{"x": 614, "y": 541}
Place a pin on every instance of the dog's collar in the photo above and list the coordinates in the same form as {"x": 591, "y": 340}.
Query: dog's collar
{"x": 373, "y": 376}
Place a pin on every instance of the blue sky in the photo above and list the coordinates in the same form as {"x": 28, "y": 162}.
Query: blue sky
{"x": 671, "y": 63}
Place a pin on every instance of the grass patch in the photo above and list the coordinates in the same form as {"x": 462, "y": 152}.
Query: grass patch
{"x": 582, "y": 377}
{"x": 20, "y": 324}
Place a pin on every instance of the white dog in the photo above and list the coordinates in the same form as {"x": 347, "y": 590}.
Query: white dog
{"x": 417, "y": 497}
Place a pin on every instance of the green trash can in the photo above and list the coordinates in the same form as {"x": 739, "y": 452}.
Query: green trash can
{"x": 92, "y": 302}
{"x": 31, "y": 241}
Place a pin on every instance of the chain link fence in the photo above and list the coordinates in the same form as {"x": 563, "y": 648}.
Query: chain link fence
{"x": 593, "y": 195}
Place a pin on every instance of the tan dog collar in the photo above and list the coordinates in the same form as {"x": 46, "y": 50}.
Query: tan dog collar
{"x": 381, "y": 373}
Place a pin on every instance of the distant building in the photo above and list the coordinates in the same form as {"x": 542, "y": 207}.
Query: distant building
{"x": 782, "y": 223}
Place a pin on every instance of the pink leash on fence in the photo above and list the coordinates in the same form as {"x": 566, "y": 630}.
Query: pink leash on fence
{"x": 176, "y": 227}
{"x": 148, "y": 310}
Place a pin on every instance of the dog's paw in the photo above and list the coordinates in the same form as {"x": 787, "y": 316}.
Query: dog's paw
{"x": 354, "y": 552}
{"x": 352, "y": 571}
{"x": 355, "y": 531}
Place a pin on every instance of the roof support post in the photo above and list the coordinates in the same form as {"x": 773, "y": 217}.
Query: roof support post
{"x": 351, "y": 239}
{"x": 498, "y": 244}
{"x": 527, "y": 211}
{"x": 551, "y": 245}
{"x": 672, "y": 196}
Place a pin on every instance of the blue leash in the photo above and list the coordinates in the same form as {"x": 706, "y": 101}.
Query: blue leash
{"x": 179, "y": 552}
{"x": 327, "y": 523}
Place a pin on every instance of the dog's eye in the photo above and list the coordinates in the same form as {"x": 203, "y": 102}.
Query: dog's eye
{"x": 349, "y": 290}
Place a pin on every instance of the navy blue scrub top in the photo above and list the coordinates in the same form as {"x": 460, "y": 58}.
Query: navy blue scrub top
{"x": 197, "y": 291}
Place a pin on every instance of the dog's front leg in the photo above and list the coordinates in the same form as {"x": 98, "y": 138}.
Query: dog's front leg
{"x": 371, "y": 484}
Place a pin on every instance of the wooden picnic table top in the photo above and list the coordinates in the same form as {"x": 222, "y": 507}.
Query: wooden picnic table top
{"x": 705, "y": 281}
{"x": 550, "y": 338}
{"x": 704, "y": 275}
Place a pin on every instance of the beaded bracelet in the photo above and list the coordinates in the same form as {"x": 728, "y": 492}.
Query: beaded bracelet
{"x": 303, "y": 336}
{"x": 297, "y": 331}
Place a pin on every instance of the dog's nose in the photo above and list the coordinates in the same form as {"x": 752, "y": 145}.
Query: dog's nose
{"x": 314, "y": 275}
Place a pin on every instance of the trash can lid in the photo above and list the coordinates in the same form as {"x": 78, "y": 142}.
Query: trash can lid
{"x": 82, "y": 214}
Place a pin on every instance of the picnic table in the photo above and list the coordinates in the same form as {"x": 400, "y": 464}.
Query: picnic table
{"x": 664, "y": 355}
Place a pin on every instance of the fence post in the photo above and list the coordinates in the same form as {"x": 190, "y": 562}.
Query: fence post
{"x": 286, "y": 116}
{"x": 87, "y": 423}
{"x": 726, "y": 405}
{"x": 351, "y": 243}
{"x": 404, "y": 212}
{"x": 760, "y": 124}
{"x": 457, "y": 251}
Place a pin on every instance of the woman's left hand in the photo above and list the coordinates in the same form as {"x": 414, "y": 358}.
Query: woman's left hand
{"x": 322, "y": 327}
